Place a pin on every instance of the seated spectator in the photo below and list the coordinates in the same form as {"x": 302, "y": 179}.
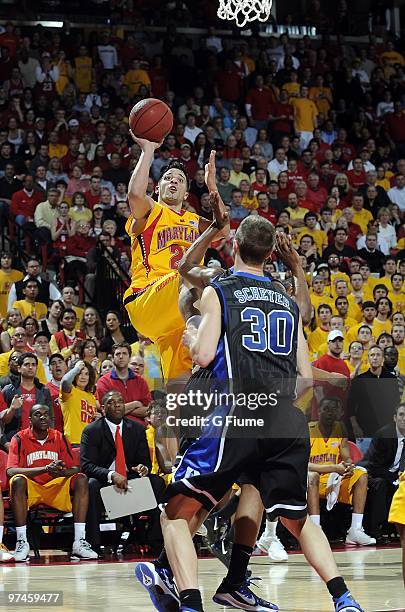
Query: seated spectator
{"x": 114, "y": 333}
{"x": 13, "y": 376}
{"x": 41, "y": 350}
{"x": 91, "y": 325}
{"x": 35, "y": 479}
{"x": 47, "y": 291}
{"x": 162, "y": 442}
{"x": 58, "y": 368}
{"x": 382, "y": 461}
{"x": 29, "y": 306}
{"x": 68, "y": 299}
{"x": 19, "y": 343}
{"x": 339, "y": 246}
{"x": 21, "y": 395}
{"x": 12, "y": 320}
{"x": 51, "y": 324}
{"x": 330, "y": 454}
{"x": 78, "y": 210}
{"x": 76, "y": 251}
{"x": 77, "y": 400}
{"x": 88, "y": 352}
{"x": 373, "y": 397}
{"x": 130, "y": 385}
{"x": 8, "y": 276}
{"x": 114, "y": 450}
{"x": 67, "y": 340}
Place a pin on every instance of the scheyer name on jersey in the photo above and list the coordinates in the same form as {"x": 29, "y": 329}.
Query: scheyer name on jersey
{"x": 252, "y": 294}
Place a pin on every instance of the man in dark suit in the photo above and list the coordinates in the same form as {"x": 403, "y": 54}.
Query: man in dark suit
{"x": 114, "y": 450}
{"x": 382, "y": 461}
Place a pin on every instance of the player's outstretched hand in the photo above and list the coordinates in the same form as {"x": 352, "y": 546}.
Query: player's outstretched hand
{"x": 145, "y": 144}
{"x": 210, "y": 172}
{"x": 219, "y": 209}
{"x": 286, "y": 251}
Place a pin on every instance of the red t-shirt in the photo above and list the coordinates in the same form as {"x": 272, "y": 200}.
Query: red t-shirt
{"x": 331, "y": 364}
{"x": 356, "y": 180}
{"x": 57, "y": 412}
{"x": 261, "y": 101}
{"x": 30, "y": 453}
{"x": 29, "y": 402}
{"x": 135, "y": 388}
{"x": 317, "y": 198}
{"x": 270, "y": 215}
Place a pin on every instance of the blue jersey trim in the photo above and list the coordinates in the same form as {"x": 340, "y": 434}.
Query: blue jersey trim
{"x": 254, "y": 276}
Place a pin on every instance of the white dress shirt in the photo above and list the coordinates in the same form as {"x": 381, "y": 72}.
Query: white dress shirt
{"x": 401, "y": 441}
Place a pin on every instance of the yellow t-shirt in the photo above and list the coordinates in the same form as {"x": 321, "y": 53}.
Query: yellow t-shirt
{"x": 297, "y": 214}
{"x": 385, "y": 183}
{"x": 292, "y": 88}
{"x": 58, "y": 150}
{"x": 398, "y": 301}
{"x": 4, "y": 369}
{"x": 6, "y": 280}
{"x": 80, "y": 215}
{"x": 250, "y": 203}
{"x": 83, "y": 73}
{"x": 319, "y": 237}
{"x": 315, "y": 339}
{"x": 362, "y": 218}
{"x": 158, "y": 250}
{"x": 37, "y": 310}
{"x": 305, "y": 113}
{"x": 323, "y": 104}
{"x": 78, "y": 409}
{"x": 353, "y": 331}
{"x": 379, "y": 327}
{"x": 363, "y": 366}
{"x": 134, "y": 79}
{"x": 325, "y": 451}
{"x": 393, "y": 57}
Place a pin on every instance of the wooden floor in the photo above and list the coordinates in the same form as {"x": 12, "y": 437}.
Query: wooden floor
{"x": 373, "y": 575}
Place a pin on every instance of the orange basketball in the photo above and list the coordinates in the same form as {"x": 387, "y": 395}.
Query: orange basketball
{"x": 151, "y": 119}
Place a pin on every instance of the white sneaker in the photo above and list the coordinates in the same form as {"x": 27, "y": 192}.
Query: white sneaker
{"x": 273, "y": 547}
{"x": 5, "y": 554}
{"x": 359, "y": 537}
{"x": 83, "y": 550}
{"x": 22, "y": 551}
{"x": 277, "y": 553}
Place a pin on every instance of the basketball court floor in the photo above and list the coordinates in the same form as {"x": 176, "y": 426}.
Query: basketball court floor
{"x": 374, "y": 577}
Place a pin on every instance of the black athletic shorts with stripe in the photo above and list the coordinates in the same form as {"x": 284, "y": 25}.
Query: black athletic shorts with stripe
{"x": 276, "y": 465}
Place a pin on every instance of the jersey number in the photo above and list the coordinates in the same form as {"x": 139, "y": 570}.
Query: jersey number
{"x": 177, "y": 253}
{"x": 273, "y": 332}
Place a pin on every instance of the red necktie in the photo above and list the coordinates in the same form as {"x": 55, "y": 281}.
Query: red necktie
{"x": 120, "y": 465}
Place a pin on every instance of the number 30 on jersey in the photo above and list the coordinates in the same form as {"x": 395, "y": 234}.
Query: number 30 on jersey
{"x": 273, "y": 331}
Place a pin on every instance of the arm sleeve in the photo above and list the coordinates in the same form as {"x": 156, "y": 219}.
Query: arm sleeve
{"x": 89, "y": 457}
{"x": 146, "y": 397}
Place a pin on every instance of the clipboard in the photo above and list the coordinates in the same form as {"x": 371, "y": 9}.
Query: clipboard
{"x": 138, "y": 498}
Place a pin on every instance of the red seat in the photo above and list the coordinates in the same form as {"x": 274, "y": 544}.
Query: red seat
{"x": 355, "y": 453}
{"x": 3, "y": 471}
{"x": 76, "y": 455}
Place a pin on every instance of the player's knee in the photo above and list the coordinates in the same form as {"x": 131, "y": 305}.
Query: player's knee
{"x": 81, "y": 484}
{"x": 19, "y": 485}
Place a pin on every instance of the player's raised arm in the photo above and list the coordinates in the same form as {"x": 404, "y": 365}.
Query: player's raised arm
{"x": 190, "y": 269}
{"x": 139, "y": 203}
{"x": 305, "y": 379}
{"x": 211, "y": 182}
{"x": 290, "y": 257}
{"x": 204, "y": 347}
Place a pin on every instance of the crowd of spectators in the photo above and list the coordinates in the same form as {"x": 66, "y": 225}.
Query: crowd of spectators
{"x": 308, "y": 134}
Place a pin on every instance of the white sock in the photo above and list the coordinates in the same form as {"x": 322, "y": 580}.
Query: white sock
{"x": 22, "y": 533}
{"x": 1, "y": 533}
{"x": 357, "y": 521}
{"x": 316, "y": 518}
{"x": 80, "y": 531}
{"x": 270, "y": 530}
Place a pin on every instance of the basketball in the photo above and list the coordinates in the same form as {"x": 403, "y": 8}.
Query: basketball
{"x": 151, "y": 119}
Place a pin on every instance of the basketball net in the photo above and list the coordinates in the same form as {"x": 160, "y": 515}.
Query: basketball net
{"x": 244, "y": 11}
